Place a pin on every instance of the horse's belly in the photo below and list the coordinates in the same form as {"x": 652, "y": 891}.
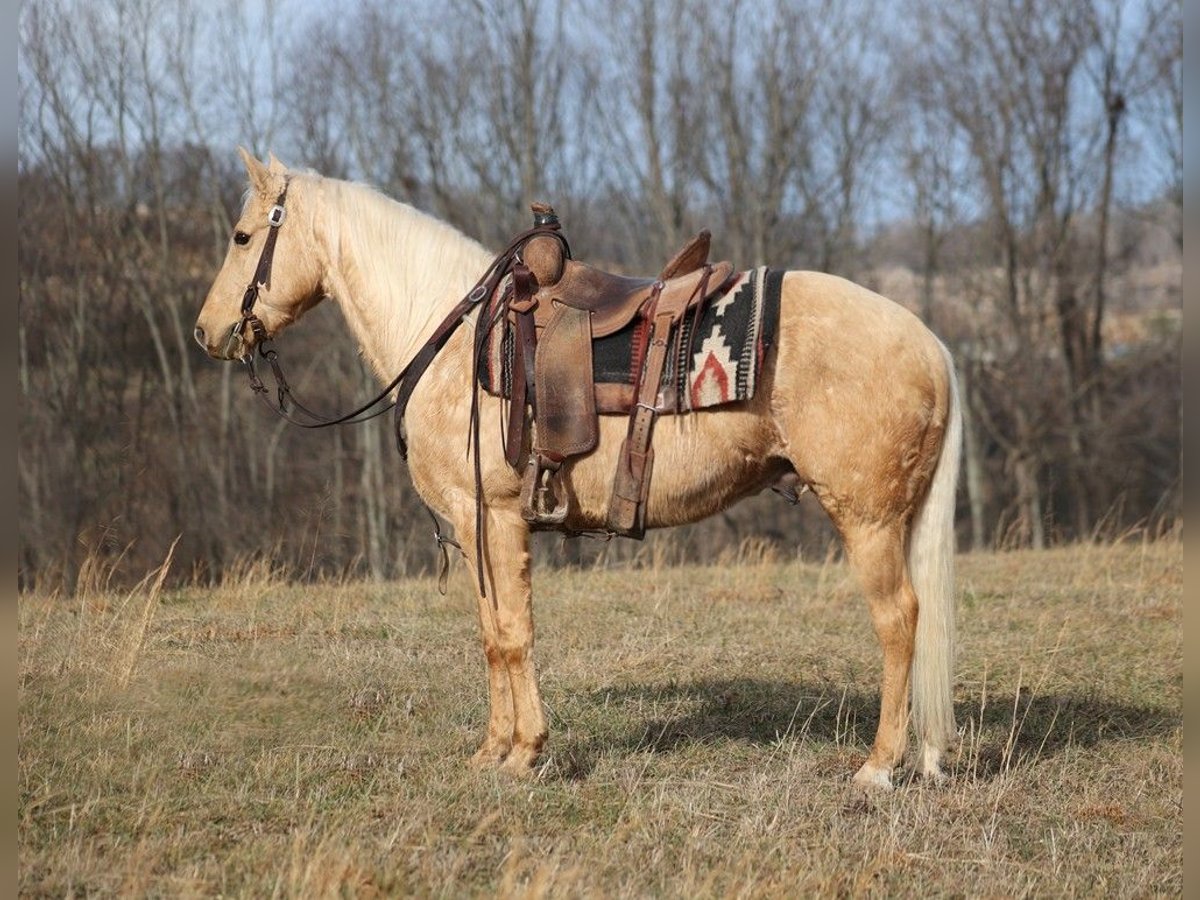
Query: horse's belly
{"x": 703, "y": 462}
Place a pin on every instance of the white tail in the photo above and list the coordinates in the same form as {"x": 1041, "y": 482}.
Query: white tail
{"x": 931, "y": 570}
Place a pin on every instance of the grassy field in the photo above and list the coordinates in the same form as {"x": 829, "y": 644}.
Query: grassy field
{"x": 273, "y": 740}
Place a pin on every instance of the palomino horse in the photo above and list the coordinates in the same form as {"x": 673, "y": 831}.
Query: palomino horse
{"x": 857, "y": 400}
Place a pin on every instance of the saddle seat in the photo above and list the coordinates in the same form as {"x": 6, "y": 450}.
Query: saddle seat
{"x": 612, "y": 300}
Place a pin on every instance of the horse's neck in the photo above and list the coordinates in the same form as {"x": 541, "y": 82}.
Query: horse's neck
{"x": 396, "y": 273}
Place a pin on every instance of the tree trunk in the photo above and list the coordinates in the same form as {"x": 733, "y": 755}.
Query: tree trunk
{"x": 1025, "y": 473}
{"x": 973, "y": 452}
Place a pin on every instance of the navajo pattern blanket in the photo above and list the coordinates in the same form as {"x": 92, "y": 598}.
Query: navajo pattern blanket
{"x": 717, "y": 358}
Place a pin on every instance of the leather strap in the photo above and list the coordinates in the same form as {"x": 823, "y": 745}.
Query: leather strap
{"x": 627, "y": 506}
{"x": 484, "y": 288}
{"x": 262, "y": 272}
{"x": 524, "y": 391}
{"x": 682, "y": 353}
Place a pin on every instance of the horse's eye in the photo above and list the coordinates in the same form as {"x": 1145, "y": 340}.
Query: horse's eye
{"x": 240, "y": 237}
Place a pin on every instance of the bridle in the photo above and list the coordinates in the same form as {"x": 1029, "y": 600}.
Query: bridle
{"x": 508, "y": 261}
{"x": 262, "y": 339}
{"x": 261, "y": 277}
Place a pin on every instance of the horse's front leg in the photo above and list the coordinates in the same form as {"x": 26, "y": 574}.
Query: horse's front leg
{"x": 499, "y": 738}
{"x": 517, "y": 723}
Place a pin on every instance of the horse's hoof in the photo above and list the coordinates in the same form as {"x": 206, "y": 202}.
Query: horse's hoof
{"x": 520, "y": 762}
{"x": 488, "y": 756}
{"x": 930, "y": 765}
{"x": 873, "y": 778}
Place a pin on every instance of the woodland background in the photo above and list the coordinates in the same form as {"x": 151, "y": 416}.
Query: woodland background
{"x": 1009, "y": 169}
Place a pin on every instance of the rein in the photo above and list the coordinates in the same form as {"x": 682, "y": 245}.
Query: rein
{"x": 508, "y": 260}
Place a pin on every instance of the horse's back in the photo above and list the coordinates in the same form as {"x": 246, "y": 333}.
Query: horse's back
{"x": 835, "y": 324}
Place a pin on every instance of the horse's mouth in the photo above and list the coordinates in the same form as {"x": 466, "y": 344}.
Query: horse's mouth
{"x": 237, "y": 346}
{"x": 234, "y": 347}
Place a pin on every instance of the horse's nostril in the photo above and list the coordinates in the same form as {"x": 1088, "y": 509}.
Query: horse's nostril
{"x": 199, "y": 333}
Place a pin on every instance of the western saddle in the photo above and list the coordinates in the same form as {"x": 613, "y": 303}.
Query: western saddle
{"x": 556, "y": 307}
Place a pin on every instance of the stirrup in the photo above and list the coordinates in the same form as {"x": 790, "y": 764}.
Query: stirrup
{"x": 543, "y": 500}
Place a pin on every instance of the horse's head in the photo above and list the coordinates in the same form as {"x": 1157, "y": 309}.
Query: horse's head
{"x": 273, "y": 249}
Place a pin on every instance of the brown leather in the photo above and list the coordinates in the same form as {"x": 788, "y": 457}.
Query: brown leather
{"x": 585, "y": 287}
{"x": 566, "y": 397}
{"x": 585, "y": 304}
{"x": 690, "y": 257}
{"x": 556, "y": 309}
{"x": 522, "y": 305}
{"x": 566, "y": 423}
{"x": 627, "y": 506}
{"x": 566, "y": 402}
{"x": 614, "y": 300}
{"x": 545, "y": 258}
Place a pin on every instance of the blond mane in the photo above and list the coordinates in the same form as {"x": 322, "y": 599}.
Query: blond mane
{"x": 393, "y": 269}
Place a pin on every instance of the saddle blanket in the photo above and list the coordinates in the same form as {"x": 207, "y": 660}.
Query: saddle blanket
{"x": 717, "y": 364}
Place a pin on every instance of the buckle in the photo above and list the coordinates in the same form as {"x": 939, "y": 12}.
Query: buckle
{"x": 276, "y": 216}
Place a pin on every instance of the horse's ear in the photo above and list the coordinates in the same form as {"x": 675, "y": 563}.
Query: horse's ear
{"x": 274, "y": 166}
{"x": 260, "y": 177}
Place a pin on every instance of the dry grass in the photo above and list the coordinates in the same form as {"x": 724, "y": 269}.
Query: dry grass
{"x": 269, "y": 740}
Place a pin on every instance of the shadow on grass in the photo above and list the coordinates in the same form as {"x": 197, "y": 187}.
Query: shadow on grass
{"x": 1006, "y": 732}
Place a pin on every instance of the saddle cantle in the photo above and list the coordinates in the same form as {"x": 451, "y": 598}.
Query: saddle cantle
{"x": 557, "y": 308}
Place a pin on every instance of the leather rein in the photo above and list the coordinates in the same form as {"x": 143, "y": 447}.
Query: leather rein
{"x": 508, "y": 260}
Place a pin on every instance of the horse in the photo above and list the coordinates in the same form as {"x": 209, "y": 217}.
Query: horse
{"x": 857, "y": 401}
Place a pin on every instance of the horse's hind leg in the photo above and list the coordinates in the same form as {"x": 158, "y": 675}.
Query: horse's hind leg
{"x": 877, "y": 552}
